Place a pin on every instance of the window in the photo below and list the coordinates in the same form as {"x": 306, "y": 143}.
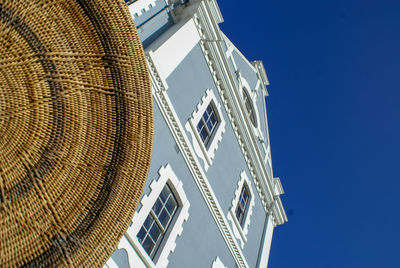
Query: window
{"x": 242, "y": 206}
{"x": 157, "y": 222}
{"x": 207, "y": 124}
{"x": 249, "y": 107}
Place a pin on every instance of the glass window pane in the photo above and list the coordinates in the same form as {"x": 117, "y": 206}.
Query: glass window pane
{"x": 164, "y": 194}
{"x": 155, "y": 232}
{"x": 164, "y": 218}
{"x": 142, "y": 233}
{"x": 157, "y": 207}
{"x": 205, "y": 116}
{"x": 147, "y": 223}
{"x": 200, "y": 126}
{"x": 171, "y": 205}
{"x": 243, "y": 203}
{"x": 210, "y": 125}
{"x": 203, "y": 134}
{"x": 209, "y": 109}
{"x": 213, "y": 118}
{"x": 238, "y": 213}
{"x": 243, "y": 191}
{"x": 148, "y": 245}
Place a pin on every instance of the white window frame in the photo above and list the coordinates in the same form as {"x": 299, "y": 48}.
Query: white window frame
{"x": 244, "y": 85}
{"x": 174, "y": 230}
{"x": 239, "y": 231}
{"x": 206, "y": 154}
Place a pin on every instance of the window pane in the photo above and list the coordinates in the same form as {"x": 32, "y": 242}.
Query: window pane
{"x": 249, "y": 108}
{"x": 243, "y": 203}
{"x": 164, "y": 194}
{"x": 164, "y": 218}
{"x": 200, "y": 126}
{"x": 241, "y": 209}
{"x": 203, "y": 135}
{"x": 209, "y": 110}
{"x": 171, "y": 205}
{"x": 155, "y": 232}
{"x": 213, "y": 119}
{"x": 157, "y": 207}
{"x": 244, "y": 192}
{"x": 148, "y": 245}
{"x": 142, "y": 233}
{"x": 239, "y": 213}
{"x": 147, "y": 223}
{"x": 207, "y": 124}
{"x": 210, "y": 125}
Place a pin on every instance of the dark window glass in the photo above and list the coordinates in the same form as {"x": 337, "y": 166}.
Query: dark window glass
{"x": 242, "y": 206}
{"x": 249, "y": 108}
{"x": 157, "y": 222}
{"x": 207, "y": 125}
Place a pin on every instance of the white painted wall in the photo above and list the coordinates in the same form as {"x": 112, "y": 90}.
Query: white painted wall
{"x": 170, "y": 54}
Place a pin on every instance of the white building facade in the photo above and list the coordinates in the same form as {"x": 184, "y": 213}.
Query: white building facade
{"x": 211, "y": 199}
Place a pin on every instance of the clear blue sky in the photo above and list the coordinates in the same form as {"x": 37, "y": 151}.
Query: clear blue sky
{"x": 334, "y": 111}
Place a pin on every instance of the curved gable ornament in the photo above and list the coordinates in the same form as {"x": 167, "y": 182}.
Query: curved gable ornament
{"x": 76, "y": 130}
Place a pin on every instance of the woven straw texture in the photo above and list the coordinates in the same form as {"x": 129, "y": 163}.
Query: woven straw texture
{"x": 76, "y": 130}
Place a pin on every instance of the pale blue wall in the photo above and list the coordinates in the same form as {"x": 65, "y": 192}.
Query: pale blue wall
{"x": 188, "y": 83}
{"x": 200, "y": 241}
{"x": 186, "y": 86}
{"x": 153, "y": 22}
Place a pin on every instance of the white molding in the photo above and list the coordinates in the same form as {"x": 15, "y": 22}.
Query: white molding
{"x": 189, "y": 155}
{"x": 243, "y": 84}
{"x": 167, "y": 176}
{"x": 218, "y": 263}
{"x": 139, "y": 7}
{"x": 169, "y": 54}
{"x": 266, "y": 242}
{"x": 240, "y": 54}
{"x": 239, "y": 231}
{"x": 206, "y": 154}
{"x": 110, "y": 264}
{"x": 211, "y": 38}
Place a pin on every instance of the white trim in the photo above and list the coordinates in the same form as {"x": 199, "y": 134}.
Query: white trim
{"x": 244, "y": 85}
{"x": 189, "y": 155}
{"x": 110, "y": 264}
{"x": 139, "y": 7}
{"x": 172, "y": 51}
{"x": 240, "y": 54}
{"x": 167, "y": 175}
{"x": 206, "y": 154}
{"x": 211, "y": 38}
{"x": 218, "y": 263}
{"x": 266, "y": 242}
{"x": 239, "y": 231}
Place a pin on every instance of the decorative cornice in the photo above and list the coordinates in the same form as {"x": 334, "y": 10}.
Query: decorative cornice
{"x": 211, "y": 37}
